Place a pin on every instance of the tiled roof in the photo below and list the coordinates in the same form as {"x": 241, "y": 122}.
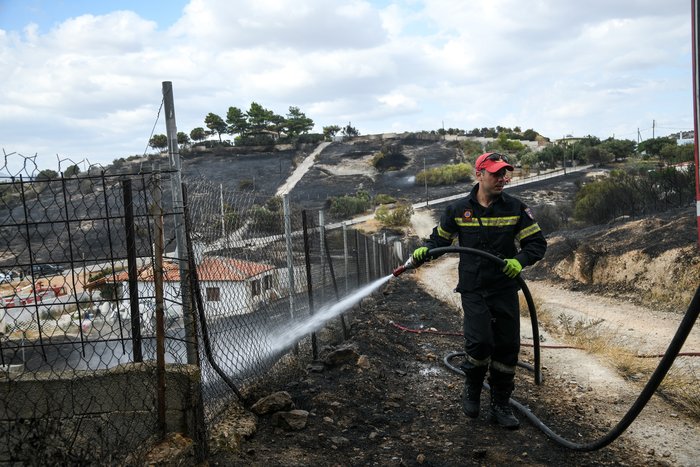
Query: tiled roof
{"x": 229, "y": 269}
{"x": 211, "y": 269}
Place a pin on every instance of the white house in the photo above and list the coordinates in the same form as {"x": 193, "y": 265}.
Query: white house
{"x": 229, "y": 287}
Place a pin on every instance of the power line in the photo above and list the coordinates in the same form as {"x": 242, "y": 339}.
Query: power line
{"x": 154, "y": 127}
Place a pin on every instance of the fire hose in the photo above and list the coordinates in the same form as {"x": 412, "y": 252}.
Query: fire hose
{"x": 650, "y": 387}
{"x": 537, "y": 367}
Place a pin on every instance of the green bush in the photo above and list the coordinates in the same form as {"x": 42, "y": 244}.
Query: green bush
{"x": 232, "y": 219}
{"x": 266, "y": 221}
{"x": 633, "y": 192}
{"x": 445, "y": 175}
{"x": 348, "y": 206}
{"x": 377, "y": 159}
{"x": 254, "y": 140}
{"x": 503, "y": 143}
{"x": 399, "y": 216}
{"x": 389, "y": 157}
{"x": 471, "y": 149}
{"x": 552, "y": 218}
{"x": 382, "y": 198}
{"x": 9, "y": 194}
{"x": 246, "y": 184}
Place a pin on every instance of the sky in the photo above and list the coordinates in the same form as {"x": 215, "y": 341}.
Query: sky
{"x": 81, "y": 80}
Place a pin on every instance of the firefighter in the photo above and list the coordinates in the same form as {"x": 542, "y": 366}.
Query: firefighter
{"x": 490, "y": 220}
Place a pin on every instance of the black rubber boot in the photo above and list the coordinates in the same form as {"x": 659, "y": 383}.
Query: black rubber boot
{"x": 473, "y": 382}
{"x": 501, "y": 388}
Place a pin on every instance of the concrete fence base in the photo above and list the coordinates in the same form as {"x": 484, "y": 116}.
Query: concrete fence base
{"x": 100, "y": 416}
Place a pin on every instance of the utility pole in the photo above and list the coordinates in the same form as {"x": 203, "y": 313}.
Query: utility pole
{"x": 563, "y": 157}
{"x": 653, "y": 129}
{"x": 695, "y": 17}
{"x": 179, "y": 218}
{"x": 425, "y": 177}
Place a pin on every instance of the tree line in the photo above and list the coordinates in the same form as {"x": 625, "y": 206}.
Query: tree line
{"x": 514, "y": 133}
{"x": 256, "y": 126}
{"x": 586, "y": 150}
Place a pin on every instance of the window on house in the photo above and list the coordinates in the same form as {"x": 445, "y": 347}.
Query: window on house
{"x": 255, "y": 287}
{"x": 267, "y": 282}
{"x": 213, "y": 294}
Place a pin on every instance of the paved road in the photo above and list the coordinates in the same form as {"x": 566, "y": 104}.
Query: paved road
{"x": 425, "y": 204}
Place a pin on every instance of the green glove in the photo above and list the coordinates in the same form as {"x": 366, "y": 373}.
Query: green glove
{"x": 512, "y": 267}
{"x": 420, "y": 255}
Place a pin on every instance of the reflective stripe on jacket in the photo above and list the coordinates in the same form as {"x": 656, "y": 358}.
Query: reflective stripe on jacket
{"x": 495, "y": 230}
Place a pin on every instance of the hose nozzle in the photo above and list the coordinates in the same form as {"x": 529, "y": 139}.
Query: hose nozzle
{"x": 409, "y": 264}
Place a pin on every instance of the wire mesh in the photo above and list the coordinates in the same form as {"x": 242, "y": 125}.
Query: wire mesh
{"x": 66, "y": 324}
{"x": 264, "y": 269}
{"x": 81, "y": 292}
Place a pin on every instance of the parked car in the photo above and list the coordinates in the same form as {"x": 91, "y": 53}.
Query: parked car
{"x": 11, "y": 275}
{"x": 45, "y": 269}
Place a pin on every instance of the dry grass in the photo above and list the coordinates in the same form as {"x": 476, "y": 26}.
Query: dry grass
{"x": 679, "y": 387}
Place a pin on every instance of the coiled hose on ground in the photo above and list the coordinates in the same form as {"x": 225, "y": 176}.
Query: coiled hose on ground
{"x": 659, "y": 374}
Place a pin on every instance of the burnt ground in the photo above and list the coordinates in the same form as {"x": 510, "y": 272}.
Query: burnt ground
{"x": 394, "y": 402}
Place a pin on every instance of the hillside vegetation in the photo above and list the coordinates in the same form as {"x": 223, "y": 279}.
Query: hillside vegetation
{"x": 652, "y": 260}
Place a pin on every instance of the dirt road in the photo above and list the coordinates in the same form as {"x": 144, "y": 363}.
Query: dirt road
{"x": 660, "y": 428}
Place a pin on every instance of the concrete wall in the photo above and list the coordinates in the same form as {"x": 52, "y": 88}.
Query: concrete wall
{"x": 95, "y": 415}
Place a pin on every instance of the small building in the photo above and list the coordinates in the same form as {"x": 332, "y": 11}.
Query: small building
{"x": 567, "y": 140}
{"x": 686, "y": 137}
{"x": 229, "y": 287}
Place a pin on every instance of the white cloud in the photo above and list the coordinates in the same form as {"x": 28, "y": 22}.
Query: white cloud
{"x": 311, "y": 24}
{"x": 92, "y": 84}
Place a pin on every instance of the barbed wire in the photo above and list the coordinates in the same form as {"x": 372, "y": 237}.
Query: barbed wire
{"x": 15, "y": 165}
{"x": 28, "y": 166}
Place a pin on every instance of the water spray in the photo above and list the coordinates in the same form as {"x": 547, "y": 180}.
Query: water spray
{"x": 298, "y": 330}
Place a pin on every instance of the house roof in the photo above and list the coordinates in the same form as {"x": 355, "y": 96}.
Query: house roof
{"x": 211, "y": 269}
{"x": 229, "y": 269}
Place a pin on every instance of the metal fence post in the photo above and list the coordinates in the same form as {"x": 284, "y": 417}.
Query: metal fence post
{"x": 132, "y": 270}
{"x": 357, "y": 257}
{"x": 346, "y": 271}
{"x": 160, "y": 328}
{"x": 375, "y": 269}
{"x": 322, "y": 245}
{"x": 367, "y": 265}
{"x": 334, "y": 282}
{"x": 290, "y": 254}
{"x": 111, "y": 255}
{"x": 176, "y": 188}
{"x": 23, "y": 196}
{"x": 309, "y": 285}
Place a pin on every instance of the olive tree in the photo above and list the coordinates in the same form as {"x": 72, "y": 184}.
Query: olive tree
{"x": 215, "y": 124}
{"x": 158, "y": 142}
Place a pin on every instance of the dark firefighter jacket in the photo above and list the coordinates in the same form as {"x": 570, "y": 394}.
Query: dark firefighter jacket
{"x": 493, "y": 229}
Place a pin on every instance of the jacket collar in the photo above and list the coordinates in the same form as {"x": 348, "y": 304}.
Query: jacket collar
{"x": 473, "y": 192}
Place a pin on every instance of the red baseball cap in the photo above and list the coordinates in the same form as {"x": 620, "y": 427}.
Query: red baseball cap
{"x": 492, "y": 162}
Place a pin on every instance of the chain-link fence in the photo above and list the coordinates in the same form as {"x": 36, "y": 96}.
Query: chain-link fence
{"x": 114, "y": 295}
{"x": 268, "y": 276}
{"x": 78, "y": 307}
